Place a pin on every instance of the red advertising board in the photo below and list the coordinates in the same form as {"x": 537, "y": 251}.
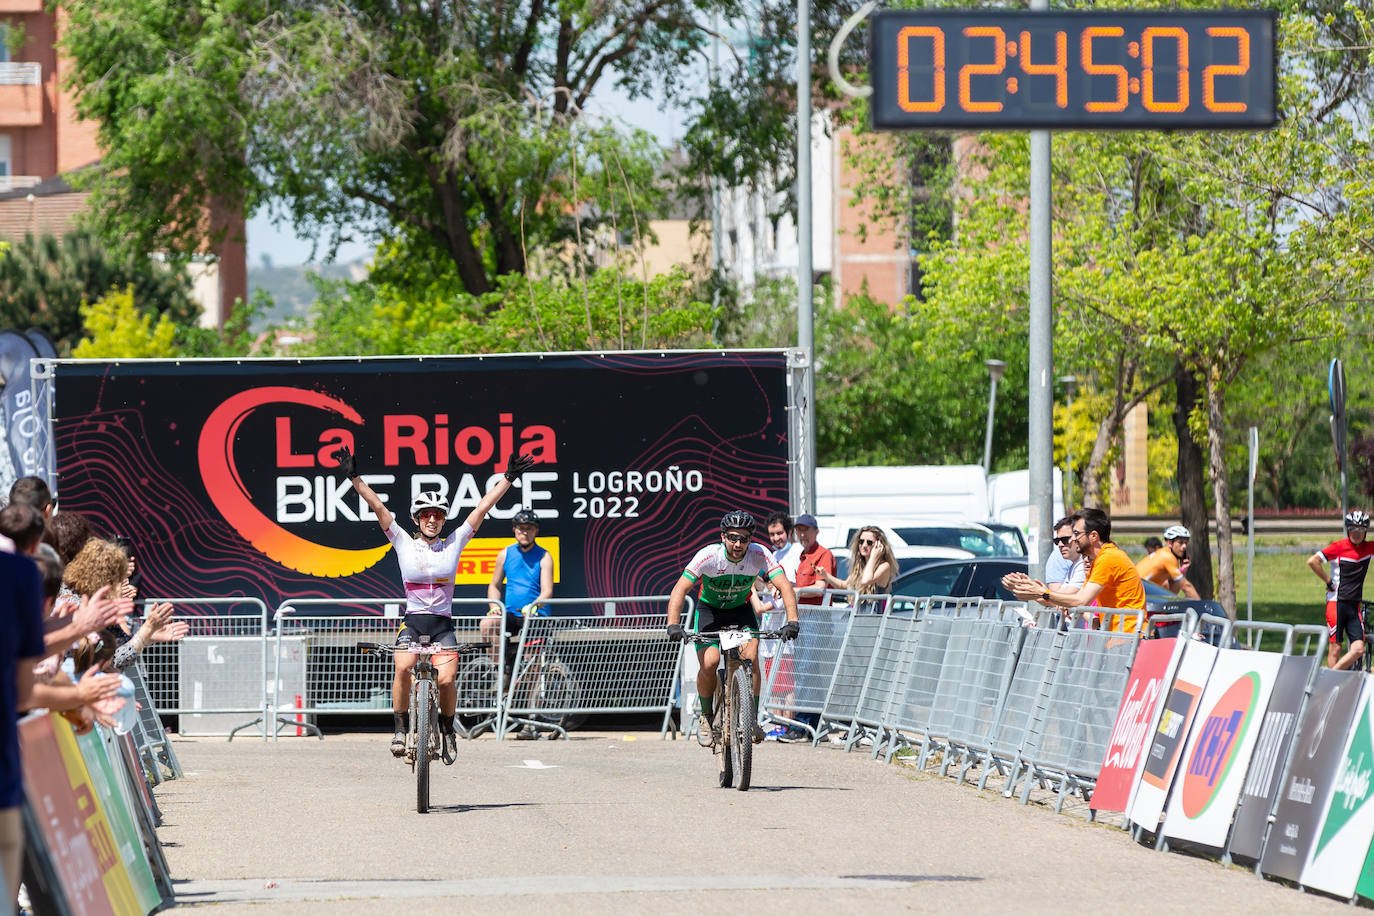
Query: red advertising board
{"x": 1132, "y": 728}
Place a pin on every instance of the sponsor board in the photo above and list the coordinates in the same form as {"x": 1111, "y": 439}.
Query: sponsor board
{"x": 1316, "y": 756}
{"x": 1347, "y": 825}
{"x": 1171, "y": 734}
{"x": 228, "y": 485}
{"x": 1140, "y": 707}
{"x": 1218, "y": 753}
{"x": 1270, "y": 755}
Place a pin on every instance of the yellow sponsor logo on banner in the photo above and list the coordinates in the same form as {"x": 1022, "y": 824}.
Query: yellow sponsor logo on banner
{"x": 112, "y": 872}
{"x": 478, "y": 561}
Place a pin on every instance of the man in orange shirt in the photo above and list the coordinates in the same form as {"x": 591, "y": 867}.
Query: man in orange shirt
{"x": 1112, "y": 579}
{"x": 1162, "y": 567}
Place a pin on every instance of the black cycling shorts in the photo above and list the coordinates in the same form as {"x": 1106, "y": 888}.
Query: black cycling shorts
{"x": 711, "y": 619}
{"x": 438, "y": 627}
{"x": 1348, "y": 622}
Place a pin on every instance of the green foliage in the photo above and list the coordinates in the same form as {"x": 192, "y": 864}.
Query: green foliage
{"x": 44, "y": 281}
{"x": 118, "y": 330}
{"x": 607, "y": 311}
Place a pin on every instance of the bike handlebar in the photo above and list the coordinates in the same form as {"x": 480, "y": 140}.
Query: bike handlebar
{"x": 689, "y": 636}
{"x": 384, "y": 648}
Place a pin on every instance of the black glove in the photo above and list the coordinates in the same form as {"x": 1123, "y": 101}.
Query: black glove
{"x": 518, "y": 465}
{"x": 790, "y": 630}
{"x": 347, "y": 464}
{"x": 676, "y": 633}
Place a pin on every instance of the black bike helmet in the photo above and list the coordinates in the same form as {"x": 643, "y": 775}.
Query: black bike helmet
{"x": 1357, "y": 518}
{"x": 525, "y": 517}
{"x": 737, "y": 520}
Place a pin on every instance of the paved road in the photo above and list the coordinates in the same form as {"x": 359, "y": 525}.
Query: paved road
{"x": 614, "y": 823}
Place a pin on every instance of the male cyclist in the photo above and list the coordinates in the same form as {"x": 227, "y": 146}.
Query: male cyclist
{"x": 1349, "y": 558}
{"x": 726, "y": 572}
{"x": 1164, "y": 567}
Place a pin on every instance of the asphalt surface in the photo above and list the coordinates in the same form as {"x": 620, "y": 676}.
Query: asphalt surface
{"x": 628, "y": 823}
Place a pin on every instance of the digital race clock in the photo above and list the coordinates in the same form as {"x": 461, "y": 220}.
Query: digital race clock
{"x": 982, "y": 69}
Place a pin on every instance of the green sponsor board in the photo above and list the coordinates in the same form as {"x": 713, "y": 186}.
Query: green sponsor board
{"x": 130, "y": 845}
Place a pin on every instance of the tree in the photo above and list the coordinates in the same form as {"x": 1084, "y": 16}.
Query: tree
{"x": 118, "y": 330}
{"x": 45, "y": 281}
{"x": 465, "y": 125}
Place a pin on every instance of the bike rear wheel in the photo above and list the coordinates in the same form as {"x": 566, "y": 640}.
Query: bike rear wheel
{"x": 476, "y": 685}
{"x": 424, "y": 734}
{"x": 741, "y": 725}
{"x": 556, "y": 688}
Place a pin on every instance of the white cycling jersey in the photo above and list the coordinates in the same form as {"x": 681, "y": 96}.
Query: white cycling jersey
{"x": 427, "y": 570}
{"x": 725, "y": 584}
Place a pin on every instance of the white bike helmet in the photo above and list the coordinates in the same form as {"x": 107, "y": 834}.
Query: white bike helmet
{"x": 1174, "y": 532}
{"x": 1357, "y": 518}
{"x": 430, "y": 500}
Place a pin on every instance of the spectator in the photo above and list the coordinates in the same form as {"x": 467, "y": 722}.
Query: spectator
{"x": 72, "y": 530}
{"x": 1065, "y": 569}
{"x": 871, "y": 568}
{"x": 1163, "y": 566}
{"x": 527, "y": 571}
{"x": 35, "y": 492}
{"x": 21, "y": 647}
{"x": 1112, "y": 580}
{"x": 129, "y": 589}
{"x": 23, "y": 525}
{"x": 813, "y": 561}
{"x": 773, "y": 614}
{"x": 1152, "y": 544}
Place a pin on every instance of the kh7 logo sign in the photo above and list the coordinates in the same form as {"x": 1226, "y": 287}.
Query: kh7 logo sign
{"x": 406, "y": 440}
{"x": 1222, "y": 734}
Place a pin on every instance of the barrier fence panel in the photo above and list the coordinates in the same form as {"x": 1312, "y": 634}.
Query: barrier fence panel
{"x": 842, "y": 695}
{"x": 592, "y": 664}
{"x": 910, "y": 713}
{"x": 982, "y": 689}
{"x": 800, "y": 678}
{"x": 150, "y": 738}
{"x": 1039, "y": 648}
{"x": 886, "y": 678}
{"x": 1084, "y": 694}
{"x": 217, "y": 675}
{"x": 318, "y": 669}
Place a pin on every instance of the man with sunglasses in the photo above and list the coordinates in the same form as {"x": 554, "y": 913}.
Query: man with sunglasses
{"x": 1112, "y": 580}
{"x": 725, "y": 572}
{"x": 1065, "y": 568}
{"x": 1349, "y": 559}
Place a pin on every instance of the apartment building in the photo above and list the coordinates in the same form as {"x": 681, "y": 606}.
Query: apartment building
{"x": 42, "y": 140}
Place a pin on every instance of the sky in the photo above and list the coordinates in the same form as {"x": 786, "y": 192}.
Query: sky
{"x": 286, "y": 249}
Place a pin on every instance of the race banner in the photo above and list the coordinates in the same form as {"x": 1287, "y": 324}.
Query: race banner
{"x": 1271, "y": 754}
{"x": 1155, "y": 661}
{"x": 18, "y": 421}
{"x": 110, "y": 790}
{"x": 222, "y": 471}
{"x": 1347, "y": 825}
{"x": 1204, "y": 795}
{"x": 1318, "y": 747}
{"x": 75, "y": 845}
{"x": 1167, "y": 741}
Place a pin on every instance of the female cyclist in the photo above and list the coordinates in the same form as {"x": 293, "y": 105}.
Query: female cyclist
{"x": 428, "y": 565}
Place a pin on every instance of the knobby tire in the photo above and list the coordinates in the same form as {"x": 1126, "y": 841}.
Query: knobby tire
{"x": 558, "y": 689}
{"x": 741, "y": 726}
{"x": 424, "y": 723}
{"x": 477, "y": 690}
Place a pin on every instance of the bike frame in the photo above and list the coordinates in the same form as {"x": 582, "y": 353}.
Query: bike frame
{"x": 726, "y": 704}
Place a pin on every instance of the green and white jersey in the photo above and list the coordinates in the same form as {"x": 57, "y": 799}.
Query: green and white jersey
{"x": 725, "y": 584}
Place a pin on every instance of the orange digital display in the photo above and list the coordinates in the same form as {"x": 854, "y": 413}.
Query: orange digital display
{"x": 984, "y": 69}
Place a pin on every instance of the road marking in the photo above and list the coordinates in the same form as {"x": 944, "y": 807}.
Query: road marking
{"x": 252, "y": 890}
{"x": 531, "y": 765}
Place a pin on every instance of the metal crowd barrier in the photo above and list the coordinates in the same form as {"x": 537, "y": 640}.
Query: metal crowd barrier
{"x": 572, "y": 666}
{"x": 218, "y": 673}
{"x": 800, "y": 675}
{"x": 318, "y": 669}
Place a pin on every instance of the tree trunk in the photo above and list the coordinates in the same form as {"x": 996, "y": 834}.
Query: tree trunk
{"x": 1192, "y": 490}
{"x": 1221, "y": 492}
{"x": 456, "y": 236}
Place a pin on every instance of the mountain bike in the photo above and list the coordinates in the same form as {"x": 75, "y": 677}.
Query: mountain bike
{"x": 539, "y": 680}
{"x": 732, "y": 716}
{"x": 424, "y": 741}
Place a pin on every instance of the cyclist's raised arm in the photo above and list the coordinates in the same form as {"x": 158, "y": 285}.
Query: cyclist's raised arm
{"x": 349, "y": 466}
{"x": 1317, "y": 563}
{"x": 498, "y": 576}
{"x": 517, "y": 465}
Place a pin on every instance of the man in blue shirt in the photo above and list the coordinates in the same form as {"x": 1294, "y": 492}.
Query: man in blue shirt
{"x": 527, "y": 570}
{"x": 21, "y": 647}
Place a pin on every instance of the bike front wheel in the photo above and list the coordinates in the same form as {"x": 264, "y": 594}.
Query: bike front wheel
{"x": 556, "y": 689}
{"x": 424, "y": 734}
{"x": 741, "y": 724}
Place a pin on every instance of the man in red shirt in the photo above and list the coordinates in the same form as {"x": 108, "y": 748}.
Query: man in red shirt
{"x": 813, "y": 557}
{"x": 1349, "y": 558}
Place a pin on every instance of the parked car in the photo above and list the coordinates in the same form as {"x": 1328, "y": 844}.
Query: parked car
{"x": 908, "y": 558}
{"x": 977, "y": 539}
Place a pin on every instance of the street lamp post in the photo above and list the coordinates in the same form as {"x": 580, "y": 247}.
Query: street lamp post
{"x": 995, "y": 369}
{"x": 1070, "y": 383}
